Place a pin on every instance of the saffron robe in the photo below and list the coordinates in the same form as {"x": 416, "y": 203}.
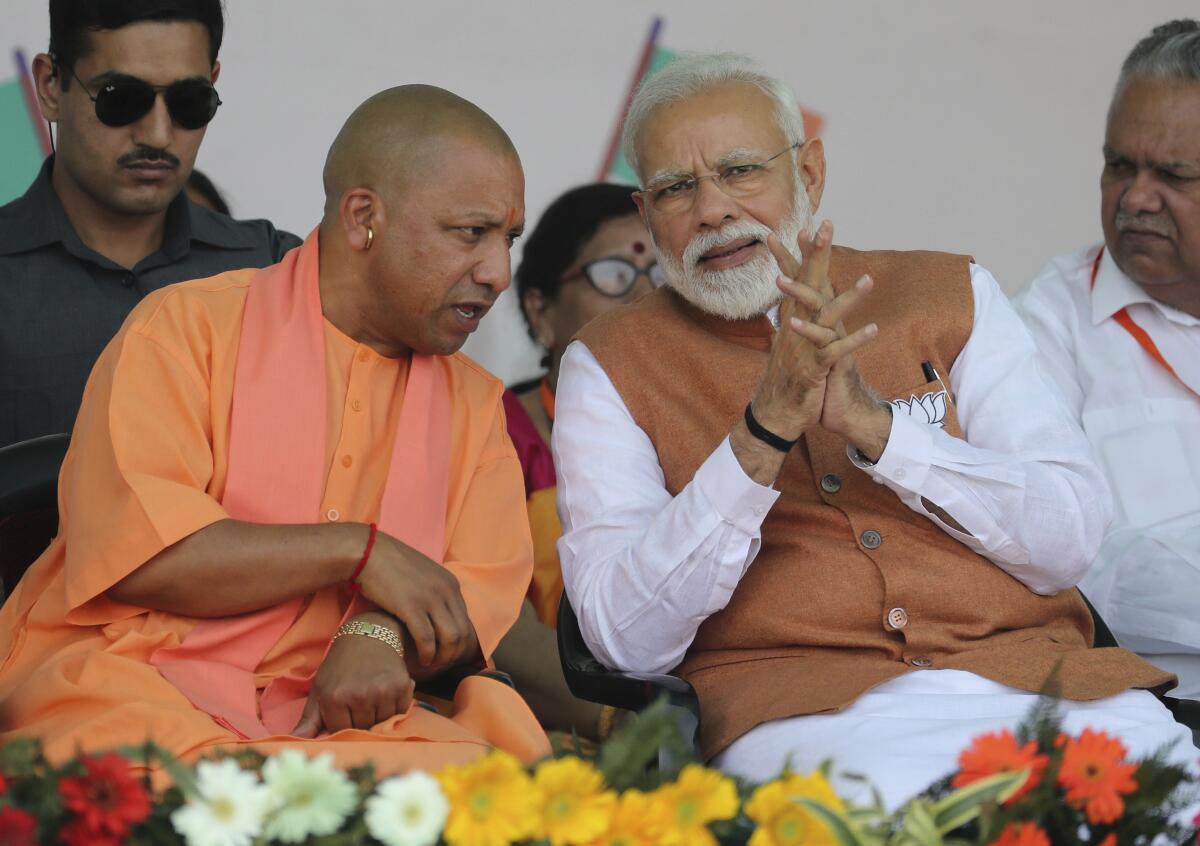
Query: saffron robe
{"x": 147, "y": 467}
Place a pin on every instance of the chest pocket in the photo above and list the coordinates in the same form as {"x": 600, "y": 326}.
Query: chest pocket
{"x": 1144, "y": 445}
{"x": 931, "y": 404}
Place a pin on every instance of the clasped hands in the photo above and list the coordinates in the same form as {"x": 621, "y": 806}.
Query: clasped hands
{"x": 811, "y": 377}
{"x": 363, "y": 681}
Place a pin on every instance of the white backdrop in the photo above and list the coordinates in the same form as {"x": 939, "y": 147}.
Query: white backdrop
{"x": 965, "y": 126}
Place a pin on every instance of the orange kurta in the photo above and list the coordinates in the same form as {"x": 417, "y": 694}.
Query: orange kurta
{"x": 147, "y": 467}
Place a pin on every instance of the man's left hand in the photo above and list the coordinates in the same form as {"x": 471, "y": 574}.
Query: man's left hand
{"x": 361, "y": 683}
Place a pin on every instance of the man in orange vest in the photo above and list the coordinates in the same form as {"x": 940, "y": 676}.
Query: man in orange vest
{"x": 1117, "y": 326}
{"x": 287, "y": 496}
{"x": 837, "y": 496}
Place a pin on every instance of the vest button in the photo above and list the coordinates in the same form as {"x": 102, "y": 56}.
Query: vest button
{"x": 871, "y": 539}
{"x": 920, "y": 663}
{"x": 333, "y": 515}
{"x": 897, "y": 618}
{"x": 830, "y": 483}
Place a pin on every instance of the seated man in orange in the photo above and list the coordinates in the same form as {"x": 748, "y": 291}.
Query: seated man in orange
{"x": 287, "y": 497}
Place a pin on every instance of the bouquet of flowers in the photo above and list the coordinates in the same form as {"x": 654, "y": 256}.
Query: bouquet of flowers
{"x": 1035, "y": 787}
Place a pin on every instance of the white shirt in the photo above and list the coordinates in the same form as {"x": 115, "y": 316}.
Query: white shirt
{"x": 1145, "y": 425}
{"x": 644, "y": 569}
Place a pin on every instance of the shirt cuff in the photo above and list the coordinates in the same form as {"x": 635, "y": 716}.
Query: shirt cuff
{"x": 906, "y": 458}
{"x": 734, "y": 496}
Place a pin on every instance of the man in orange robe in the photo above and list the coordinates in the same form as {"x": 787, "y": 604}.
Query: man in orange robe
{"x": 266, "y": 459}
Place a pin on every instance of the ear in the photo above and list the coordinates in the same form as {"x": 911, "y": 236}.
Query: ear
{"x": 47, "y": 85}
{"x": 360, "y": 209}
{"x": 536, "y": 308}
{"x": 216, "y": 71}
{"x": 810, "y": 159}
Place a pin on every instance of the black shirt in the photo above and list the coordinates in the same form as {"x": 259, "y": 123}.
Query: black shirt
{"x": 61, "y": 303}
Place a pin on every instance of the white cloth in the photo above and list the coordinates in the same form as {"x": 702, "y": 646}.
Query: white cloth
{"x": 643, "y": 570}
{"x": 1145, "y": 426}
{"x": 907, "y": 733}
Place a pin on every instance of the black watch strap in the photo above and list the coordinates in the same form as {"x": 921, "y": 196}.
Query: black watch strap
{"x": 766, "y": 435}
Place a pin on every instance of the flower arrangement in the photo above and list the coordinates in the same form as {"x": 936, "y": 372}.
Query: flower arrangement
{"x": 1035, "y": 787}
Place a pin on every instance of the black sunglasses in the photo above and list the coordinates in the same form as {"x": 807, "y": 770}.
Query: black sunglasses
{"x": 190, "y": 102}
{"x": 616, "y": 277}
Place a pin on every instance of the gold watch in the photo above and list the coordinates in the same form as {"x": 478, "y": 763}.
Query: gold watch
{"x": 383, "y": 633}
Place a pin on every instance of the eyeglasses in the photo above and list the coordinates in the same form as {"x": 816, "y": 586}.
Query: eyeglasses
{"x": 677, "y": 194}
{"x": 616, "y": 277}
{"x": 190, "y": 102}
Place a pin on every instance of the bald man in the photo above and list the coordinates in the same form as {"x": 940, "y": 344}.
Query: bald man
{"x": 288, "y": 499}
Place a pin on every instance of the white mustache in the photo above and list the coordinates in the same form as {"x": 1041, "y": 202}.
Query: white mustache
{"x": 706, "y": 241}
{"x": 1158, "y": 226}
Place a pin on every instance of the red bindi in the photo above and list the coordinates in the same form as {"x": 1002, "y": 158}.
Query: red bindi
{"x": 639, "y": 247}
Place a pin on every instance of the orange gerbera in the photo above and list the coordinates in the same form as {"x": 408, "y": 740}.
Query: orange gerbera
{"x": 1095, "y": 775}
{"x": 998, "y": 752}
{"x": 1022, "y": 834}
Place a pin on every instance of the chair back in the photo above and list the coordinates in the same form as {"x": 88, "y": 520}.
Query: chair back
{"x": 28, "y": 502}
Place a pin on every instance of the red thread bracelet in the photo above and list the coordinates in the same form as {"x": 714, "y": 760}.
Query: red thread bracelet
{"x": 354, "y": 585}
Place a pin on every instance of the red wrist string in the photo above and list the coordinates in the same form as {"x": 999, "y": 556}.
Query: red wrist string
{"x": 354, "y": 585}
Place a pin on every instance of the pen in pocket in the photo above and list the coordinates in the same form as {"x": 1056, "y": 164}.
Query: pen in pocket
{"x": 931, "y": 375}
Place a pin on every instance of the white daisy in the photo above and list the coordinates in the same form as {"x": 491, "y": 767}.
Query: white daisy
{"x": 408, "y": 810}
{"x": 228, "y": 808}
{"x": 312, "y": 796}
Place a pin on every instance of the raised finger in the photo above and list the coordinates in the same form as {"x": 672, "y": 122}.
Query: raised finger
{"x": 845, "y": 302}
{"x": 815, "y": 272}
{"x": 812, "y": 300}
{"x": 818, "y": 335}
{"x": 843, "y": 347}
{"x": 789, "y": 265}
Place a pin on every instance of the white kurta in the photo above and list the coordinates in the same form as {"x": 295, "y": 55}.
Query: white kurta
{"x": 644, "y": 569}
{"x": 1145, "y": 426}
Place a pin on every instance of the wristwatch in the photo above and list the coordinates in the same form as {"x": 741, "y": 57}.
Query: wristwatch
{"x": 383, "y": 633}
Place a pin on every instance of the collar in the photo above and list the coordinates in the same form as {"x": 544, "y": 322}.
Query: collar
{"x": 38, "y": 219}
{"x": 1114, "y": 291}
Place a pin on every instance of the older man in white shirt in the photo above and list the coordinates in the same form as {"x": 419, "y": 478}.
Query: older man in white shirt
{"x": 837, "y": 576}
{"x": 1118, "y": 328}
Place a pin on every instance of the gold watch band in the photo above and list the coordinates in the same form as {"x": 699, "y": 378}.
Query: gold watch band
{"x": 383, "y": 633}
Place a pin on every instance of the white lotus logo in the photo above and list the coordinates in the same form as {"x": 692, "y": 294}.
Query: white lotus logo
{"x": 930, "y": 408}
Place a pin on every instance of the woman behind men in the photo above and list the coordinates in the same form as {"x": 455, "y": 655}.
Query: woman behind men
{"x": 588, "y": 254}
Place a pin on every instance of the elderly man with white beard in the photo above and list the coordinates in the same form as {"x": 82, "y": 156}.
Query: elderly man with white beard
{"x": 832, "y": 491}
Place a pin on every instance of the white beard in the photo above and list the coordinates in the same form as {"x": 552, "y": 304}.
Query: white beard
{"x": 748, "y": 289}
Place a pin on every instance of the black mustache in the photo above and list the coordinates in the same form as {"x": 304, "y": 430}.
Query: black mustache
{"x": 148, "y": 154}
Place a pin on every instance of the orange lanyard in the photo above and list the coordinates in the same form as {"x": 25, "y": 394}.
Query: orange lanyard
{"x": 547, "y": 396}
{"x": 1139, "y": 334}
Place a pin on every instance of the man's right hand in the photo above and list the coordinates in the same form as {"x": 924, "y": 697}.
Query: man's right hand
{"x": 425, "y": 597}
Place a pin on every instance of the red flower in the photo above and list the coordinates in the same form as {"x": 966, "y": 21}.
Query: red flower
{"x": 1095, "y": 775}
{"x": 3, "y": 784}
{"x": 1023, "y": 834}
{"x": 997, "y": 752}
{"x": 1111, "y": 840}
{"x": 107, "y": 800}
{"x": 17, "y": 828}
{"x": 77, "y": 833}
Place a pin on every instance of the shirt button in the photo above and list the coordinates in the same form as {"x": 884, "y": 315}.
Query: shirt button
{"x": 363, "y": 355}
{"x": 759, "y": 510}
{"x": 347, "y": 461}
{"x": 871, "y": 539}
{"x": 333, "y": 515}
{"x": 897, "y": 618}
{"x": 128, "y": 281}
{"x": 831, "y": 483}
{"x": 356, "y": 405}
{"x": 899, "y": 474}
{"x": 921, "y": 663}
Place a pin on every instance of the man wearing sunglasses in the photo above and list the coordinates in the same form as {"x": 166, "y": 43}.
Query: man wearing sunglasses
{"x": 836, "y": 495}
{"x": 129, "y": 88}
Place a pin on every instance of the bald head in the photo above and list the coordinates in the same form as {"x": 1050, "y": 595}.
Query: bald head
{"x": 396, "y": 134}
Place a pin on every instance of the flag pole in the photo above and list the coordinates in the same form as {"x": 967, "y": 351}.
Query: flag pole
{"x": 643, "y": 65}
{"x": 31, "y": 103}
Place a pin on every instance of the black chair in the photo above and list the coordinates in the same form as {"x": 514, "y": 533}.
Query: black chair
{"x": 28, "y": 502}
{"x": 588, "y": 679}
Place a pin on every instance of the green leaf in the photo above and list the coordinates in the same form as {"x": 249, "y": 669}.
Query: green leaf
{"x": 964, "y": 804}
{"x": 919, "y": 824}
{"x": 846, "y": 836}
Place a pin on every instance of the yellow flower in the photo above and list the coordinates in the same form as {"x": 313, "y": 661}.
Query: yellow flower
{"x": 637, "y": 821}
{"x": 575, "y": 806}
{"x": 782, "y": 821}
{"x": 493, "y": 802}
{"x": 698, "y": 797}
